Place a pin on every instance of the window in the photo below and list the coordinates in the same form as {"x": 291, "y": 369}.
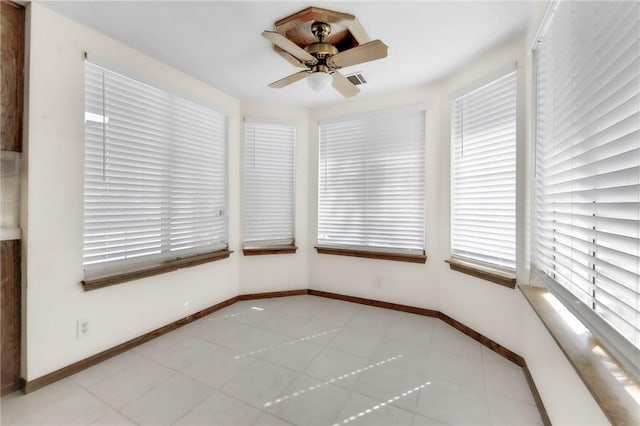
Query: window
{"x": 371, "y": 182}
{"x": 587, "y": 223}
{"x": 269, "y": 175}
{"x": 483, "y": 175}
{"x": 155, "y": 175}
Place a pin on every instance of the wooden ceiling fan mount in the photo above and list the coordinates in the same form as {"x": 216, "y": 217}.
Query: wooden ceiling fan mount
{"x": 322, "y": 40}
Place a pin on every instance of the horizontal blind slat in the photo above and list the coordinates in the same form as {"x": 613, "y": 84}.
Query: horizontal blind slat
{"x": 155, "y": 174}
{"x": 483, "y": 135}
{"x": 371, "y": 181}
{"x": 587, "y": 224}
{"x": 269, "y": 182}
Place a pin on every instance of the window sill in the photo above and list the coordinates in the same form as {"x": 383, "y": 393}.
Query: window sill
{"x": 257, "y": 251}
{"x": 95, "y": 283}
{"x": 400, "y": 257}
{"x": 494, "y": 275}
{"x": 611, "y": 386}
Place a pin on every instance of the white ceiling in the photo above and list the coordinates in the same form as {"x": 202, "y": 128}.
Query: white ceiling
{"x": 219, "y": 42}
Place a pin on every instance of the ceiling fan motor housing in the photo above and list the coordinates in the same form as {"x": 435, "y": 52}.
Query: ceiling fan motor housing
{"x": 321, "y": 50}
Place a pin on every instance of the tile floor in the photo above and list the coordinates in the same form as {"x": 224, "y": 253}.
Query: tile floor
{"x": 300, "y": 360}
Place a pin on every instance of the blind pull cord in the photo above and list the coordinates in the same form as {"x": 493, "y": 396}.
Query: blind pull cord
{"x": 104, "y": 132}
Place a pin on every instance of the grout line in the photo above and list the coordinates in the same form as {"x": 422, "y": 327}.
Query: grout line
{"x": 113, "y": 407}
{"x": 323, "y": 347}
{"x": 382, "y": 404}
{"x": 261, "y": 409}
{"x": 486, "y": 384}
{"x": 331, "y": 381}
{"x": 287, "y": 343}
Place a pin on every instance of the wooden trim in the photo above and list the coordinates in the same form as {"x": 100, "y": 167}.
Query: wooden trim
{"x": 480, "y": 338}
{"x": 256, "y": 251}
{"x": 10, "y": 315}
{"x": 601, "y": 373}
{"x": 494, "y": 346}
{"x": 400, "y": 257}
{"x": 172, "y": 265}
{"x": 12, "y": 53}
{"x": 376, "y": 303}
{"x": 12, "y": 85}
{"x": 32, "y": 385}
{"x": 485, "y": 273}
{"x": 546, "y": 421}
{"x": 272, "y": 294}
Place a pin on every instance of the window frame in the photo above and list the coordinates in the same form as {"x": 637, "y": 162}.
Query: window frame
{"x": 123, "y": 270}
{"x": 499, "y": 274}
{"x": 622, "y": 349}
{"x": 376, "y": 252}
{"x": 253, "y": 248}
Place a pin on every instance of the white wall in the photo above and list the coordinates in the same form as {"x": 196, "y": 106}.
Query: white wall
{"x": 406, "y": 283}
{"x": 483, "y": 304}
{"x": 565, "y": 397}
{"x": 53, "y": 228}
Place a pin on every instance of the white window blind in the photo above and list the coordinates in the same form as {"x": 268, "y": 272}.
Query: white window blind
{"x": 155, "y": 175}
{"x": 269, "y": 175}
{"x": 587, "y": 225}
{"x": 371, "y": 181}
{"x": 483, "y": 174}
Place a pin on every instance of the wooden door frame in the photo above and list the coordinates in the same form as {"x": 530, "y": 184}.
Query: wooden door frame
{"x": 12, "y": 27}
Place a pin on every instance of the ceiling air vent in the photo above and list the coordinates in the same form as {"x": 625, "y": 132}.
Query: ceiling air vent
{"x": 356, "y": 78}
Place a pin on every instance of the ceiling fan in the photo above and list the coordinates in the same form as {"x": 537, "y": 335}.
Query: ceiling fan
{"x": 325, "y": 52}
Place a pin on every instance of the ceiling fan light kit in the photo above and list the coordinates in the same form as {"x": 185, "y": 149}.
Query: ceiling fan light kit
{"x": 323, "y": 41}
{"x": 319, "y": 81}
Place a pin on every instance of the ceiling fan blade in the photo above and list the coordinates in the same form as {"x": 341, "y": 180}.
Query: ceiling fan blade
{"x": 291, "y": 59}
{"x": 285, "y": 44}
{"x": 363, "y": 53}
{"x": 343, "y": 85}
{"x": 290, "y": 79}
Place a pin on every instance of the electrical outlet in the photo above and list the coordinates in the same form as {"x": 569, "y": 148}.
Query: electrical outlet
{"x": 82, "y": 328}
